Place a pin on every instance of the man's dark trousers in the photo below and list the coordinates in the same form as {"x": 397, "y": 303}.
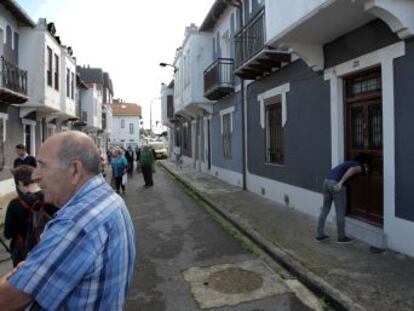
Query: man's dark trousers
{"x": 147, "y": 173}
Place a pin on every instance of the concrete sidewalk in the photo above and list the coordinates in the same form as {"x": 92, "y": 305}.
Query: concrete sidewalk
{"x": 351, "y": 277}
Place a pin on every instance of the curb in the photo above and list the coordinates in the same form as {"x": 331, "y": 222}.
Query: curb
{"x": 314, "y": 282}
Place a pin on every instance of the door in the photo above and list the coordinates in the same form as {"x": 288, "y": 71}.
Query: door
{"x": 208, "y": 145}
{"x": 363, "y": 104}
{"x": 28, "y": 138}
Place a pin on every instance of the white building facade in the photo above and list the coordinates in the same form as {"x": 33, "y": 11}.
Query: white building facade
{"x": 126, "y": 125}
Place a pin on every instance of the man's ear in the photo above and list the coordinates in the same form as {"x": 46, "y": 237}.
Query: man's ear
{"x": 76, "y": 172}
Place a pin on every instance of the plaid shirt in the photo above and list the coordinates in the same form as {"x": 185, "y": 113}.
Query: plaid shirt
{"x": 86, "y": 256}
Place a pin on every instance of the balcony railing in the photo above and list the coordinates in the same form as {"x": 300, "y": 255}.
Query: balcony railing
{"x": 250, "y": 39}
{"x": 219, "y": 79}
{"x": 13, "y": 83}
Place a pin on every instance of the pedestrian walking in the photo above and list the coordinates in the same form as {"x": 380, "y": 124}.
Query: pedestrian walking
{"x": 333, "y": 186}
{"x": 129, "y": 155}
{"x": 23, "y": 158}
{"x": 20, "y": 210}
{"x": 119, "y": 166}
{"x": 147, "y": 160}
{"x": 177, "y": 155}
{"x": 85, "y": 258}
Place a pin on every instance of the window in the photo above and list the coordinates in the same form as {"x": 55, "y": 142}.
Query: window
{"x": 16, "y": 41}
{"x": 227, "y": 135}
{"x": 72, "y": 86}
{"x": 49, "y": 66}
{"x": 67, "y": 82}
{"x": 122, "y": 123}
{"x": 56, "y": 72}
{"x": 131, "y": 128}
{"x": 170, "y": 106}
{"x": 9, "y": 36}
{"x": 185, "y": 130}
{"x": 274, "y": 131}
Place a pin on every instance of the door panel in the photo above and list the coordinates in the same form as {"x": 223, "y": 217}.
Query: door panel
{"x": 364, "y": 134}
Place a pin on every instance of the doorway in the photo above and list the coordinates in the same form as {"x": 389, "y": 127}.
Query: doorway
{"x": 208, "y": 144}
{"x": 28, "y": 138}
{"x": 364, "y": 133}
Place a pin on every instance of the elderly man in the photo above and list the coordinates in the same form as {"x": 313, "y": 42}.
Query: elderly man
{"x": 86, "y": 256}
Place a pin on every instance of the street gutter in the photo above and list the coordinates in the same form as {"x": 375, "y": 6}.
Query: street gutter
{"x": 333, "y": 297}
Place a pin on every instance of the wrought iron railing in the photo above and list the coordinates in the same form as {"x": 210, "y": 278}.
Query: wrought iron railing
{"x": 219, "y": 74}
{"x": 13, "y": 78}
{"x": 250, "y": 39}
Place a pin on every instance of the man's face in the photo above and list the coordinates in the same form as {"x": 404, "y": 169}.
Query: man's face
{"x": 53, "y": 180}
{"x": 20, "y": 152}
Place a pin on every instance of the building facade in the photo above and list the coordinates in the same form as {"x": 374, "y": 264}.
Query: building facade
{"x": 126, "y": 125}
{"x": 41, "y": 92}
{"x": 13, "y": 87}
{"x": 96, "y": 102}
{"x": 313, "y": 96}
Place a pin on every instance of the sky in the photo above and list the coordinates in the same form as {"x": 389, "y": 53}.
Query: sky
{"x": 126, "y": 38}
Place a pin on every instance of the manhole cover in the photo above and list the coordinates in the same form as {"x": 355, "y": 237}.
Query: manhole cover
{"x": 234, "y": 281}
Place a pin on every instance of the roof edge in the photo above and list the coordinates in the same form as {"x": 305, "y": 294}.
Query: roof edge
{"x": 19, "y": 12}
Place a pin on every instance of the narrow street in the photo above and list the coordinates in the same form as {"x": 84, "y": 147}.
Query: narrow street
{"x": 181, "y": 251}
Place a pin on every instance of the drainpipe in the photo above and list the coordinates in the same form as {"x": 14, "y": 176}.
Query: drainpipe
{"x": 238, "y": 4}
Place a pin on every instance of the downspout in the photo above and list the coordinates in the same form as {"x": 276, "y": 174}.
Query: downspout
{"x": 238, "y": 4}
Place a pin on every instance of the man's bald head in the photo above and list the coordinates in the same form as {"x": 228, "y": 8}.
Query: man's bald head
{"x": 75, "y": 145}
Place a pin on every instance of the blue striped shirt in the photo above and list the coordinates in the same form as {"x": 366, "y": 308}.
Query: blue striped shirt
{"x": 86, "y": 256}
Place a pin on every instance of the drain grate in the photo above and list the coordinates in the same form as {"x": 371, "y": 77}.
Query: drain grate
{"x": 231, "y": 284}
{"x": 234, "y": 281}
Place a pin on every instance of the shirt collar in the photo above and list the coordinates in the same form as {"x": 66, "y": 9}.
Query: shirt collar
{"x": 92, "y": 183}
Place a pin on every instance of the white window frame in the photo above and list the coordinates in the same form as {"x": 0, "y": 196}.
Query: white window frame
{"x": 3, "y": 118}
{"x": 222, "y": 113}
{"x": 280, "y": 90}
{"x": 225, "y": 112}
{"x": 131, "y": 126}
{"x": 122, "y": 123}
{"x": 32, "y": 134}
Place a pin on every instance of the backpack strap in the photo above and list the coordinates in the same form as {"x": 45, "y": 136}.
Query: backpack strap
{"x": 24, "y": 204}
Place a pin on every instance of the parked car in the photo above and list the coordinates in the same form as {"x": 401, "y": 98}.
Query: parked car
{"x": 161, "y": 150}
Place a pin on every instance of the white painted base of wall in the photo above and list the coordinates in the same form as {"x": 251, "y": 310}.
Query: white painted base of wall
{"x": 7, "y": 186}
{"x": 306, "y": 201}
{"x": 228, "y": 176}
{"x": 399, "y": 235}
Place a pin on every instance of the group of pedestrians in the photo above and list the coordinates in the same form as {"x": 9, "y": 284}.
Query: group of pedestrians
{"x": 122, "y": 165}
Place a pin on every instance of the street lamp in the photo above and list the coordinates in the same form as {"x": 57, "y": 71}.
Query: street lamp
{"x": 169, "y": 65}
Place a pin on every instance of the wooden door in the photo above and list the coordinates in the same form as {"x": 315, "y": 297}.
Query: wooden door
{"x": 208, "y": 145}
{"x": 363, "y": 105}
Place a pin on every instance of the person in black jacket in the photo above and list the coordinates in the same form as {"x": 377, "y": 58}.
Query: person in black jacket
{"x": 23, "y": 158}
{"x": 18, "y": 211}
{"x": 129, "y": 155}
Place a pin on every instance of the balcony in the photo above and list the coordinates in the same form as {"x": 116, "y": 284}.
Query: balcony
{"x": 13, "y": 88}
{"x": 253, "y": 57}
{"x": 219, "y": 79}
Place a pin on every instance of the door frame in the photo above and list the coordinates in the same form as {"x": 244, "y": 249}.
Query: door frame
{"x": 384, "y": 58}
{"x": 362, "y": 100}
